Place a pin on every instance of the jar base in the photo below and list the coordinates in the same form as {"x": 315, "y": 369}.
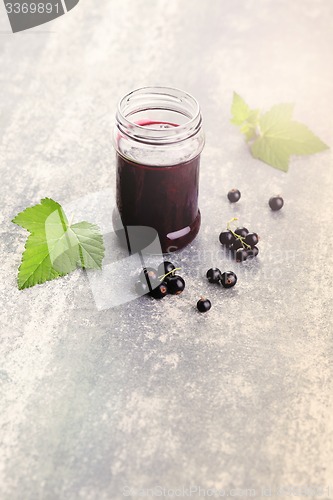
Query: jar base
{"x": 171, "y": 242}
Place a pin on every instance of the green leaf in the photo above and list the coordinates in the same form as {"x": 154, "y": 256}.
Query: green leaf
{"x": 273, "y": 136}
{"x": 36, "y": 266}
{"x": 55, "y": 248}
{"x": 33, "y": 218}
{"x": 239, "y": 109}
{"x": 245, "y": 117}
{"x": 281, "y": 138}
{"x": 80, "y": 246}
{"x": 280, "y": 113}
{"x": 249, "y": 127}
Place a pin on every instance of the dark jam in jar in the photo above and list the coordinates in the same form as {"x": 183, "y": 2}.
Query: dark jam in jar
{"x": 153, "y": 188}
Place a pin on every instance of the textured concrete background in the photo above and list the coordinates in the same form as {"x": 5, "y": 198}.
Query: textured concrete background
{"x": 149, "y": 393}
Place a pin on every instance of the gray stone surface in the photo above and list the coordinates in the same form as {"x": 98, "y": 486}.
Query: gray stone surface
{"x": 147, "y": 393}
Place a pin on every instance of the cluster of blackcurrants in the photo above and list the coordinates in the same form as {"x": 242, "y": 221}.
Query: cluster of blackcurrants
{"x": 240, "y": 243}
{"x": 158, "y": 283}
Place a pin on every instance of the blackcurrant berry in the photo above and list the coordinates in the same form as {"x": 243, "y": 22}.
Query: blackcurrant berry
{"x": 229, "y": 279}
{"x": 241, "y": 231}
{"x": 234, "y": 195}
{"x": 213, "y": 275}
{"x": 226, "y": 238}
{"x": 175, "y": 284}
{"x": 160, "y": 291}
{"x": 276, "y": 203}
{"x": 149, "y": 275}
{"x": 251, "y": 239}
{"x": 165, "y": 268}
{"x": 203, "y": 305}
{"x": 236, "y": 245}
{"x": 253, "y": 252}
{"x": 141, "y": 288}
{"x": 241, "y": 255}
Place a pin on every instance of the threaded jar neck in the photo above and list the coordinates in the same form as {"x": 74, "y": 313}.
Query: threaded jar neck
{"x": 158, "y": 116}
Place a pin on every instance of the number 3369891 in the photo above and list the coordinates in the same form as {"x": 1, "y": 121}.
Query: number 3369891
{"x": 32, "y": 8}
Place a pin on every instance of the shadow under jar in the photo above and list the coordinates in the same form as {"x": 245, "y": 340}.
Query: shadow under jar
{"x": 158, "y": 139}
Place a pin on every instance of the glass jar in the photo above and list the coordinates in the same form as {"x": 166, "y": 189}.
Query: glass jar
{"x": 158, "y": 139}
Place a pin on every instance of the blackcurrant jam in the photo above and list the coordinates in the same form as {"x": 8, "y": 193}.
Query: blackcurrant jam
{"x": 158, "y": 139}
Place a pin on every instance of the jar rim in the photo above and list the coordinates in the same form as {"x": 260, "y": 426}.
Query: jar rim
{"x": 171, "y": 99}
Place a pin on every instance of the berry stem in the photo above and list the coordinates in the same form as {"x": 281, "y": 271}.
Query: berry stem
{"x": 161, "y": 278}
{"x": 237, "y": 236}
